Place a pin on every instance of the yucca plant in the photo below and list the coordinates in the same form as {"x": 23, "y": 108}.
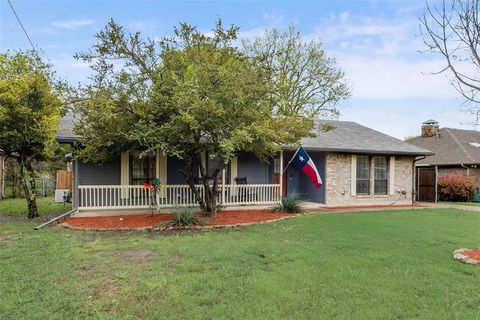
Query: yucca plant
{"x": 290, "y": 203}
{"x": 185, "y": 217}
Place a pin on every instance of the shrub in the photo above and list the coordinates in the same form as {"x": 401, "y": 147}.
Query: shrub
{"x": 185, "y": 217}
{"x": 456, "y": 188}
{"x": 290, "y": 203}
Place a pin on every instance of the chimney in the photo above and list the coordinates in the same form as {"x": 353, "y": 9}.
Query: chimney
{"x": 430, "y": 128}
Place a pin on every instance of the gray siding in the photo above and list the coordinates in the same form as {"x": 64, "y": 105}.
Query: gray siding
{"x": 106, "y": 174}
{"x": 306, "y": 186}
{"x": 256, "y": 171}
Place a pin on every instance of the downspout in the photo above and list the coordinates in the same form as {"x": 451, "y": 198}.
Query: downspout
{"x": 414, "y": 190}
{"x": 464, "y": 166}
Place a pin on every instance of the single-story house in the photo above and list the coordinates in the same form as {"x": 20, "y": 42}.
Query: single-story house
{"x": 457, "y": 153}
{"x": 358, "y": 165}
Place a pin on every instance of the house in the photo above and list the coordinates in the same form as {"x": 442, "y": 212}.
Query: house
{"x": 457, "y": 153}
{"x": 358, "y": 165}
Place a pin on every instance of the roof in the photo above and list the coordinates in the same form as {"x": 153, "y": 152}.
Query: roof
{"x": 451, "y": 147}
{"x": 352, "y": 137}
{"x": 65, "y": 132}
{"x": 346, "y": 136}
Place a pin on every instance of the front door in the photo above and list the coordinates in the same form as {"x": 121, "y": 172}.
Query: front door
{"x": 426, "y": 184}
{"x": 293, "y": 180}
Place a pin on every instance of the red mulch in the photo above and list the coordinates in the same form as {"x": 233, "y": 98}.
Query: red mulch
{"x": 380, "y": 206}
{"x": 472, "y": 254}
{"x": 229, "y": 217}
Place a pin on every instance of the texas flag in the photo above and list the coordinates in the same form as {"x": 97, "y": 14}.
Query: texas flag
{"x": 302, "y": 161}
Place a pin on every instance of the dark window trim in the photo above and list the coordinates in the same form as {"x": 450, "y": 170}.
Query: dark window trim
{"x": 363, "y": 179}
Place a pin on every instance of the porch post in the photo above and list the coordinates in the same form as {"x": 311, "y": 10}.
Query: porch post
{"x": 281, "y": 174}
{"x": 223, "y": 186}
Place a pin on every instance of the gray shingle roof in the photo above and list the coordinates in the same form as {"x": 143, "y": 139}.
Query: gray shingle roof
{"x": 451, "y": 147}
{"x": 345, "y": 137}
{"x": 65, "y": 131}
{"x": 352, "y": 137}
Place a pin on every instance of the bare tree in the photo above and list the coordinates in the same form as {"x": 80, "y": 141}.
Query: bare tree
{"x": 452, "y": 30}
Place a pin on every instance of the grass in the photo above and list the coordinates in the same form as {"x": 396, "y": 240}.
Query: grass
{"x": 378, "y": 265}
{"x": 18, "y": 207}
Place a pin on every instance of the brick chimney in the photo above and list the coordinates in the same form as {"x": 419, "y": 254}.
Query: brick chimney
{"x": 430, "y": 128}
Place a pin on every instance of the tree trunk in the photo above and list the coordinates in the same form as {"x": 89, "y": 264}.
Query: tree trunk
{"x": 29, "y": 188}
{"x": 207, "y": 203}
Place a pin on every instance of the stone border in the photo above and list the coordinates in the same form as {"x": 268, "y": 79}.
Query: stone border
{"x": 199, "y": 227}
{"x": 458, "y": 255}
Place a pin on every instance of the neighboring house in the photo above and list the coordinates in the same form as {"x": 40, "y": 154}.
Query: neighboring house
{"x": 456, "y": 152}
{"x": 358, "y": 165}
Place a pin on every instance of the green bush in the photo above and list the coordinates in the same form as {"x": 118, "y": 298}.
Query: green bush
{"x": 185, "y": 217}
{"x": 456, "y": 188}
{"x": 290, "y": 203}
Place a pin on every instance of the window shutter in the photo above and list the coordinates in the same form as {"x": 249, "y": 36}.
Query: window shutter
{"x": 124, "y": 173}
{"x": 353, "y": 176}
{"x": 391, "y": 176}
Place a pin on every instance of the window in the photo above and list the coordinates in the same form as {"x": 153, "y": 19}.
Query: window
{"x": 363, "y": 175}
{"x": 276, "y": 165}
{"x": 381, "y": 175}
{"x": 142, "y": 170}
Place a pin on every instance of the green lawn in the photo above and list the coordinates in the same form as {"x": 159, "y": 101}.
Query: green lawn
{"x": 18, "y": 207}
{"x": 378, "y": 265}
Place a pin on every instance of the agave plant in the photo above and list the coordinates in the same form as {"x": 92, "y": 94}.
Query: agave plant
{"x": 290, "y": 203}
{"x": 185, "y": 217}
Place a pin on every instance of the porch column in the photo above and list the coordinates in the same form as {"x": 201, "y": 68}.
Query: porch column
{"x": 223, "y": 186}
{"x": 281, "y": 173}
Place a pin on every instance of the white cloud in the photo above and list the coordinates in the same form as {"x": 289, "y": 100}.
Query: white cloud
{"x": 72, "y": 24}
{"x": 380, "y": 57}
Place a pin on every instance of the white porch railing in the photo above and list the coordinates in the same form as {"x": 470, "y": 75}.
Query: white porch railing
{"x": 137, "y": 197}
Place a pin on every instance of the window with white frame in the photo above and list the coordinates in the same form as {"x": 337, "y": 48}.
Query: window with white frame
{"x": 381, "y": 175}
{"x": 363, "y": 175}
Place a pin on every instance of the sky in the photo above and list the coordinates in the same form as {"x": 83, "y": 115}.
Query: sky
{"x": 376, "y": 43}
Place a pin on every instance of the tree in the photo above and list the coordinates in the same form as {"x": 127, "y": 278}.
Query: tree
{"x": 186, "y": 96}
{"x": 306, "y": 81}
{"x": 452, "y": 30}
{"x": 29, "y": 113}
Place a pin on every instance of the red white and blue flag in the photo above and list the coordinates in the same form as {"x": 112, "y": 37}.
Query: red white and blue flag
{"x": 302, "y": 161}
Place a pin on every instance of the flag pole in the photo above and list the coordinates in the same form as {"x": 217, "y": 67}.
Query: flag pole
{"x": 290, "y": 161}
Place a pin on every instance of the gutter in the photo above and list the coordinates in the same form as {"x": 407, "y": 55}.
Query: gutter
{"x": 414, "y": 191}
{"x": 49, "y": 222}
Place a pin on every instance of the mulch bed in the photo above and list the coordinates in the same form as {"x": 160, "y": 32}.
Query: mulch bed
{"x": 469, "y": 256}
{"x": 149, "y": 221}
{"x": 472, "y": 254}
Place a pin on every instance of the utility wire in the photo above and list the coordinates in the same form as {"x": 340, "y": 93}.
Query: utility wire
{"x": 23, "y": 28}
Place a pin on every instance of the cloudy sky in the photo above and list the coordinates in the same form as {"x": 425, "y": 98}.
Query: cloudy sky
{"x": 376, "y": 43}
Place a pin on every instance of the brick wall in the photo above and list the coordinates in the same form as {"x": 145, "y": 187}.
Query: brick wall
{"x": 459, "y": 171}
{"x": 338, "y": 182}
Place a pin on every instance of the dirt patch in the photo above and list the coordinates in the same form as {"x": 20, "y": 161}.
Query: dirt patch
{"x": 138, "y": 256}
{"x": 149, "y": 221}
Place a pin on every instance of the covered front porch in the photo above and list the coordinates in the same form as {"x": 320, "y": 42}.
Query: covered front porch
{"x": 97, "y": 197}
{"x": 119, "y": 184}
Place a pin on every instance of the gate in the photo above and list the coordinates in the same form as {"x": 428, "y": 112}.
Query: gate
{"x": 426, "y": 181}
